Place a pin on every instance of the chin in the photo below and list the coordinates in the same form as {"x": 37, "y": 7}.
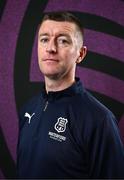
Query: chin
{"x": 54, "y": 76}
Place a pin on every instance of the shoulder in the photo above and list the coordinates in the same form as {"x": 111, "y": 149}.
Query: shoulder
{"x": 31, "y": 103}
{"x": 95, "y": 122}
{"x": 92, "y": 112}
{"x": 95, "y": 106}
{"x": 85, "y": 102}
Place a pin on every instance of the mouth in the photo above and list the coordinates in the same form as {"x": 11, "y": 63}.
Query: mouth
{"x": 51, "y": 60}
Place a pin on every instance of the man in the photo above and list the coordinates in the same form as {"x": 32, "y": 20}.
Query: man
{"x": 65, "y": 132}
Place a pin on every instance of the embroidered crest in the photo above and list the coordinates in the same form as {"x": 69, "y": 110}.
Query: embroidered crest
{"x": 60, "y": 126}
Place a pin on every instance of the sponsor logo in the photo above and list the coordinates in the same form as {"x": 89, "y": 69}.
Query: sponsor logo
{"x": 56, "y": 136}
{"x": 29, "y": 116}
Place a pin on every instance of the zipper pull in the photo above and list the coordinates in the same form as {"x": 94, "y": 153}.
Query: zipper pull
{"x": 46, "y": 104}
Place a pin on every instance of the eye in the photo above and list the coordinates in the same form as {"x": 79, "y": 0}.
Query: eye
{"x": 44, "y": 40}
{"x": 62, "y": 41}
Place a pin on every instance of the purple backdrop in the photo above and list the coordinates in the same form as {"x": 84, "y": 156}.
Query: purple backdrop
{"x": 97, "y": 42}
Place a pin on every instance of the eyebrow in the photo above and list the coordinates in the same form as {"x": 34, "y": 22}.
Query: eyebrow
{"x": 61, "y": 34}
{"x": 44, "y": 34}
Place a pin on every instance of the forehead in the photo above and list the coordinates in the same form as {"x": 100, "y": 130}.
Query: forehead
{"x": 55, "y": 27}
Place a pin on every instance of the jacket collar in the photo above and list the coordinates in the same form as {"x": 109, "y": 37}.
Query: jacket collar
{"x": 76, "y": 88}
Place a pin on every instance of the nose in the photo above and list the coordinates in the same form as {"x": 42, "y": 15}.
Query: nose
{"x": 51, "y": 47}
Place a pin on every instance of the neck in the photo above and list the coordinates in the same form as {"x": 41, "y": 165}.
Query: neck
{"x": 58, "y": 85}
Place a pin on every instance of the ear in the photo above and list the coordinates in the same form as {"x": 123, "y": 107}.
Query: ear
{"x": 83, "y": 52}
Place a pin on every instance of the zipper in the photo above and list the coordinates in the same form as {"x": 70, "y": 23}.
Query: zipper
{"x": 46, "y": 105}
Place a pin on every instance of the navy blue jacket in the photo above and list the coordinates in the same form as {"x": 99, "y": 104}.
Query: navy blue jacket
{"x": 68, "y": 134}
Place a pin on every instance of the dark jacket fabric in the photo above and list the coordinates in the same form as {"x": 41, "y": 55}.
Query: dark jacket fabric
{"x": 68, "y": 134}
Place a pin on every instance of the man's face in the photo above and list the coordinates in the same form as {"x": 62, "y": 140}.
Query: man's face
{"x": 58, "y": 49}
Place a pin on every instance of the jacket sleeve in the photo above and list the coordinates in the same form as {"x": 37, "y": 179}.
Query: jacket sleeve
{"x": 105, "y": 150}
